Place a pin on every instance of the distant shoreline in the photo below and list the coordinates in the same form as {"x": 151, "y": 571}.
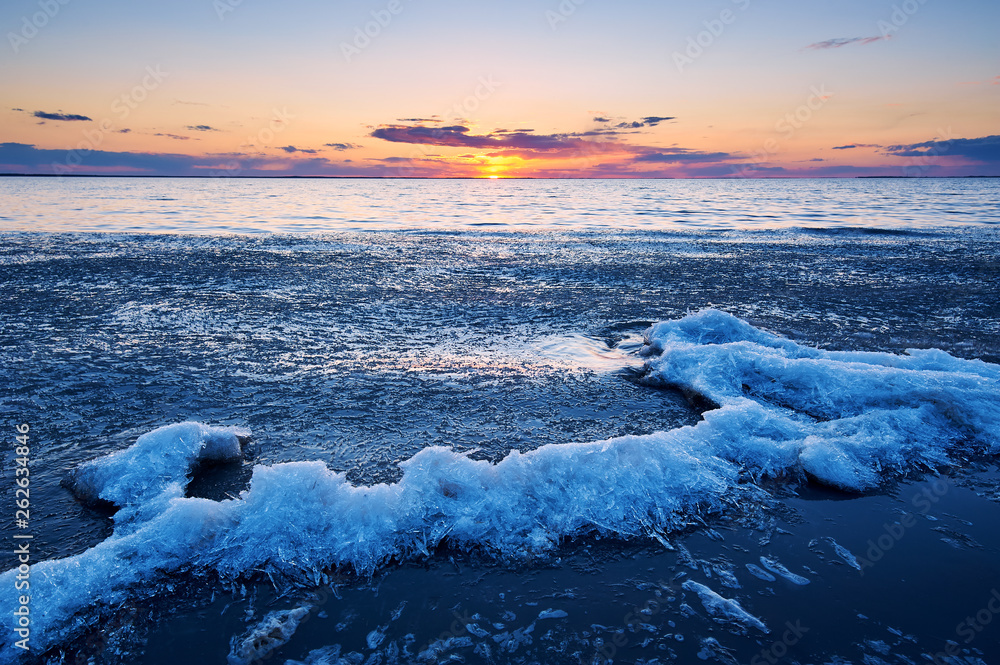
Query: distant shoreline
{"x": 374, "y": 177}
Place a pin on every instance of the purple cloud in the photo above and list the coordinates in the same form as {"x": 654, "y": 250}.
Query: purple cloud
{"x": 517, "y": 141}
{"x": 844, "y": 41}
{"x": 984, "y": 149}
{"x": 457, "y": 136}
{"x": 648, "y": 121}
{"x": 61, "y": 116}
{"x": 27, "y": 158}
{"x": 654, "y": 120}
{"x": 291, "y": 148}
{"x": 683, "y": 155}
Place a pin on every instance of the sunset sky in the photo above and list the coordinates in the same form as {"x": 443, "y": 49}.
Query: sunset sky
{"x": 570, "y": 88}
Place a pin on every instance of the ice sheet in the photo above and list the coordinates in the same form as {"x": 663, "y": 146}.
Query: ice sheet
{"x": 784, "y": 411}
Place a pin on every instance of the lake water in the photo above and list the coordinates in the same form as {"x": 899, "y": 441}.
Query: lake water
{"x": 221, "y": 205}
{"x": 503, "y": 421}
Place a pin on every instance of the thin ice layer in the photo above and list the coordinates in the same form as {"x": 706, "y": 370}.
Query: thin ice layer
{"x": 267, "y": 636}
{"x": 724, "y": 609}
{"x": 846, "y": 418}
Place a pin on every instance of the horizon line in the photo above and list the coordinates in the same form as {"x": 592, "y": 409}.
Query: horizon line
{"x": 376, "y": 177}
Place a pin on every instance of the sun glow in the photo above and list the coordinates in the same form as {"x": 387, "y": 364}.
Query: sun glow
{"x": 496, "y": 167}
